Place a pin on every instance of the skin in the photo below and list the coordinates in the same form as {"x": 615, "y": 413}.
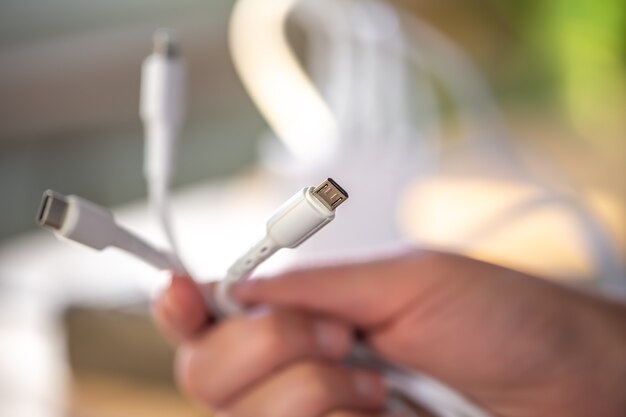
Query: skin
{"x": 515, "y": 345}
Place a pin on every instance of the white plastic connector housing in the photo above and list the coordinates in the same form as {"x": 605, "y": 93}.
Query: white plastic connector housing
{"x": 73, "y": 218}
{"x": 88, "y": 223}
{"x": 163, "y": 89}
{"x": 295, "y": 221}
{"x": 298, "y": 219}
{"x": 163, "y": 85}
{"x": 162, "y": 104}
{"x": 162, "y": 108}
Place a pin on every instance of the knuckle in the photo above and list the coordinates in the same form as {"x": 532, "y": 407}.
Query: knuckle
{"x": 280, "y": 335}
{"x": 430, "y": 257}
{"x": 269, "y": 341}
{"x": 307, "y": 394}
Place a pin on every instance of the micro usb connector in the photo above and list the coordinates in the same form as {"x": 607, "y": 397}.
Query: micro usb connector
{"x": 299, "y": 218}
{"x": 330, "y": 194}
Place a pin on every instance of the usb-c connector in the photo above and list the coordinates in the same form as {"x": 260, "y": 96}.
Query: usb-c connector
{"x": 84, "y": 222}
{"x": 164, "y": 44}
{"x": 53, "y": 210}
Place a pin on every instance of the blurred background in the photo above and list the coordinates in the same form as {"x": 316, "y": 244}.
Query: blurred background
{"x": 495, "y": 129}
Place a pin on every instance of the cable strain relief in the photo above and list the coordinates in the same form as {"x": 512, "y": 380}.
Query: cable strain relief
{"x": 221, "y": 303}
{"x": 159, "y": 152}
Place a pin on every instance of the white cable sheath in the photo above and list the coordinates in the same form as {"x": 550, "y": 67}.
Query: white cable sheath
{"x": 257, "y": 70}
{"x": 276, "y": 81}
{"x": 299, "y": 218}
{"x": 293, "y": 223}
{"x": 84, "y": 222}
{"x": 162, "y": 109}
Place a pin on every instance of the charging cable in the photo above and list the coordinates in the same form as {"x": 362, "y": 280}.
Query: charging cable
{"x": 299, "y": 218}
{"x": 304, "y": 214}
{"x": 82, "y": 221}
{"x": 162, "y": 109}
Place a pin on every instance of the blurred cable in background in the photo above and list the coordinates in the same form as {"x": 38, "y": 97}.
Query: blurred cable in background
{"x": 493, "y": 129}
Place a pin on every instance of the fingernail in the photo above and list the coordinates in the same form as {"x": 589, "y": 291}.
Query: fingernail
{"x": 329, "y": 336}
{"x": 172, "y": 297}
{"x": 368, "y": 385}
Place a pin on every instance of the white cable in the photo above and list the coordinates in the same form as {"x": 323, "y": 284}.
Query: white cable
{"x": 437, "y": 397}
{"x": 330, "y": 52}
{"x": 299, "y": 218}
{"x": 295, "y": 221}
{"x": 162, "y": 109}
{"x": 84, "y": 222}
{"x": 277, "y": 82}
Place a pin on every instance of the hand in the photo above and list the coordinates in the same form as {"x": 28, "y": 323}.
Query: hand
{"x": 515, "y": 345}
{"x": 241, "y": 366}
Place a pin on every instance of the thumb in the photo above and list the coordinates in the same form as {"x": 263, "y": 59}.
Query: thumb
{"x": 180, "y": 311}
{"x": 366, "y": 294}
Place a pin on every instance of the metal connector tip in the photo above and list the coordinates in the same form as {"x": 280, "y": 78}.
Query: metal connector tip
{"x": 52, "y": 210}
{"x": 165, "y": 43}
{"x": 330, "y": 194}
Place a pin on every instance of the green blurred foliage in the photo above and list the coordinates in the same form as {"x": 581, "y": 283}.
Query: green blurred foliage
{"x": 564, "y": 56}
{"x": 586, "y": 41}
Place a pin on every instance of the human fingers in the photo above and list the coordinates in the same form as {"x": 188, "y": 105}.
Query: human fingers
{"x": 310, "y": 389}
{"x": 180, "y": 311}
{"x": 386, "y": 287}
{"x": 237, "y": 353}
